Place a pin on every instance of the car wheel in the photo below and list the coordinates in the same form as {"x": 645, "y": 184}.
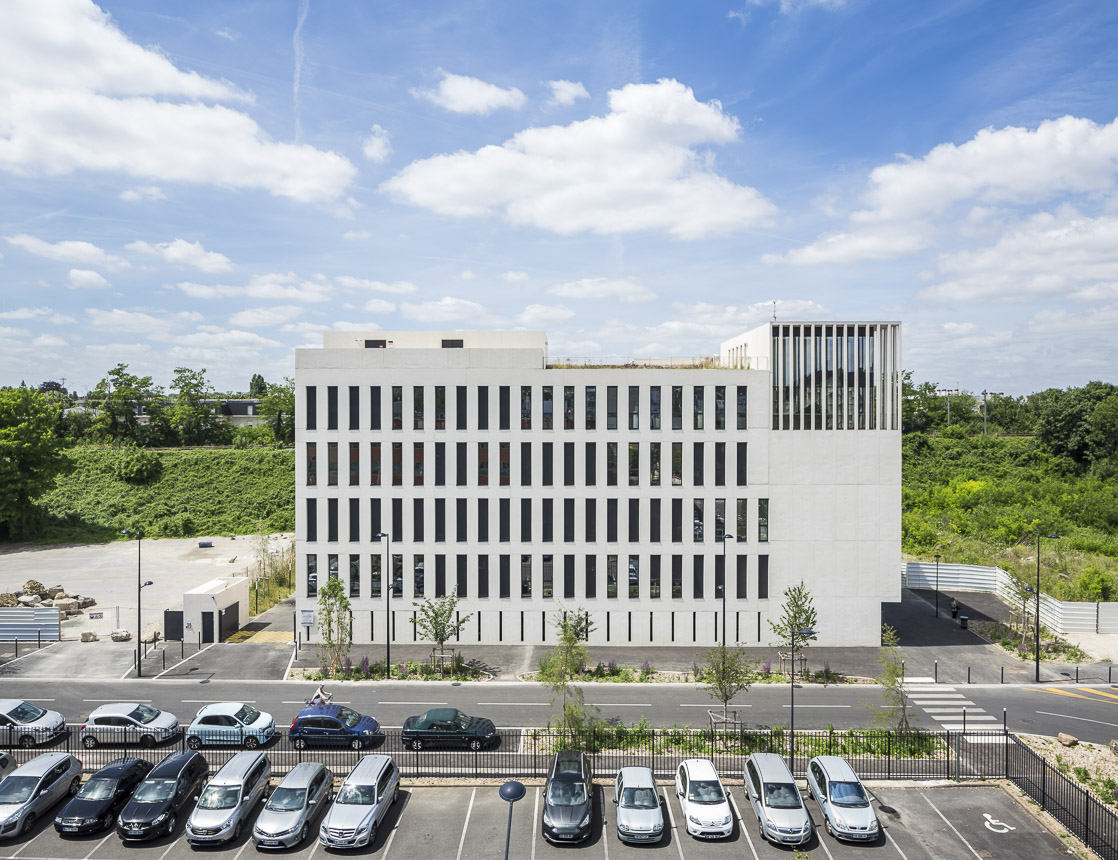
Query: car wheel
{"x": 171, "y": 825}
{"x": 194, "y": 742}
{"x": 303, "y": 833}
{"x": 252, "y": 742}
{"x": 356, "y": 744}
{"x": 89, "y": 742}
{"x": 236, "y": 832}
{"x": 761, "y": 830}
{"x": 475, "y": 744}
{"x": 27, "y": 741}
{"x": 147, "y": 742}
{"x": 75, "y": 784}
{"x": 299, "y": 743}
{"x": 417, "y": 744}
{"x": 28, "y": 824}
{"x": 395, "y": 794}
{"x": 373, "y": 834}
{"x": 827, "y": 826}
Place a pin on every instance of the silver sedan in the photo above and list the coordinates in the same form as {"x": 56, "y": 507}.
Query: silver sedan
{"x": 294, "y": 806}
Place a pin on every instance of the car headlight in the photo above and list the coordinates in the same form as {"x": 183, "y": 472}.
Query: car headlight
{"x": 770, "y": 822}
{"x": 585, "y": 821}
{"x": 726, "y": 820}
{"x": 159, "y": 819}
{"x": 120, "y": 820}
{"x": 490, "y": 734}
{"x": 840, "y": 821}
{"x": 624, "y": 828}
{"x": 546, "y": 818}
{"x": 58, "y": 820}
{"x": 366, "y": 731}
{"x": 693, "y": 819}
{"x": 658, "y": 826}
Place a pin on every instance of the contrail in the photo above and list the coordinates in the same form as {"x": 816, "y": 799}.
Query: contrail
{"x": 297, "y": 44}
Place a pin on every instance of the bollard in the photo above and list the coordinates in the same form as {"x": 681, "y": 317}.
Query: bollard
{"x": 1077, "y": 674}
{"x": 1005, "y": 723}
{"x": 1109, "y": 673}
{"x": 17, "y": 646}
{"x": 968, "y": 674}
{"x": 964, "y": 721}
{"x": 902, "y": 671}
{"x": 39, "y": 638}
{"x": 935, "y": 675}
{"x": 1002, "y": 681}
{"x": 182, "y": 649}
{"x": 164, "y": 652}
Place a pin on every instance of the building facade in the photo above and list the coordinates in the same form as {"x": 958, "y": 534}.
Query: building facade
{"x": 664, "y": 499}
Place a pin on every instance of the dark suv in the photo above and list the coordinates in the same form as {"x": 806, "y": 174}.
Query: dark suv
{"x": 332, "y": 725}
{"x": 160, "y": 799}
{"x": 568, "y": 807}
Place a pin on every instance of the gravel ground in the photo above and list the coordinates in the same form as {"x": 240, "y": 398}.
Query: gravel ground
{"x": 1099, "y": 761}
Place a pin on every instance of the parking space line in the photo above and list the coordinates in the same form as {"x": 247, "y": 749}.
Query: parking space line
{"x": 167, "y": 850}
{"x": 184, "y": 660}
{"x": 605, "y": 838}
{"x": 396, "y": 826}
{"x": 1082, "y": 719}
{"x": 818, "y": 836}
{"x": 211, "y": 701}
{"x": 248, "y": 842}
{"x": 314, "y": 848}
{"x": 893, "y": 842}
{"x": 519, "y": 704}
{"x": 535, "y": 818}
{"x": 290, "y": 663}
{"x": 466, "y": 824}
{"x": 949, "y": 824}
{"x": 99, "y": 844}
{"x": 31, "y": 841}
{"x": 741, "y": 826}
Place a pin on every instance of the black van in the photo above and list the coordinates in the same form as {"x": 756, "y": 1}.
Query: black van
{"x": 159, "y": 800}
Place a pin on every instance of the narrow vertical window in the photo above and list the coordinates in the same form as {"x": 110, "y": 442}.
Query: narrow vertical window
{"x": 483, "y": 520}
{"x": 312, "y": 464}
{"x": 698, "y": 413}
{"x": 440, "y": 464}
{"x": 526, "y": 407}
{"x": 503, "y": 407}
{"x": 548, "y": 589}
{"x": 654, "y": 407}
{"x": 525, "y": 520}
{"x": 611, "y": 576}
{"x": 397, "y": 575}
{"x": 591, "y": 463}
{"x": 461, "y": 520}
{"x": 354, "y": 519}
{"x": 397, "y": 407}
{"x": 720, "y": 407}
{"x": 742, "y": 463}
{"x": 591, "y": 407}
{"x": 697, "y": 584}
{"x": 634, "y": 577}
{"x": 483, "y": 407}
{"x": 742, "y": 520}
{"x": 504, "y": 520}
{"x": 742, "y": 399}
{"x": 654, "y": 520}
{"x": 719, "y": 519}
{"x": 677, "y": 520}
{"x": 397, "y": 520}
{"x": 312, "y": 576}
{"x": 548, "y": 407}
{"x": 762, "y": 520}
{"x": 568, "y": 407}
{"x": 568, "y": 520}
{"x": 417, "y": 464}
{"x": 312, "y": 407}
{"x": 611, "y": 407}
{"x": 611, "y": 520}
{"x": 677, "y": 407}
{"x": 741, "y": 591}
{"x": 331, "y": 407}
{"x": 525, "y": 464}
{"x": 591, "y": 520}
{"x": 417, "y": 408}
{"x": 634, "y": 464}
{"x": 354, "y": 464}
{"x": 440, "y": 407}
{"x": 654, "y": 464}
{"x": 568, "y": 464}
{"x": 697, "y": 507}
{"x": 483, "y": 464}
{"x": 611, "y": 464}
{"x": 397, "y": 464}
{"x": 440, "y": 520}
{"x": 763, "y": 577}
{"x": 483, "y": 576}
{"x": 505, "y": 465}
{"x": 525, "y": 576}
{"x": 654, "y": 576}
{"x": 677, "y": 576}
{"x": 677, "y": 464}
{"x": 720, "y": 464}
{"x": 634, "y": 521}
{"x": 374, "y": 464}
{"x": 374, "y": 519}
{"x": 547, "y": 520}
{"x": 548, "y": 476}
{"x": 374, "y": 407}
{"x": 462, "y": 577}
{"x": 697, "y": 465}
{"x": 354, "y": 407}
{"x": 460, "y": 408}
{"x": 568, "y": 577}
{"x": 591, "y": 577}
{"x": 332, "y": 520}
{"x": 355, "y": 576}
{"x": 634, "y": 407}
{"x": 374, "y": 575}
{"x": 332, "y": 464}
{"x": 460, "y": 464}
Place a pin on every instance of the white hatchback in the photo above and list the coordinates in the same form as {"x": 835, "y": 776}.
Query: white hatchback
{"x": 706, "y": 806}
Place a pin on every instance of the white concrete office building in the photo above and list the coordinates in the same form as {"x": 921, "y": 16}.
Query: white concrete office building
{"x": 622, "y": 490}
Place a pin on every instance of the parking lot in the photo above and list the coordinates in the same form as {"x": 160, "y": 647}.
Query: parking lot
{"x": 437, "y": 822}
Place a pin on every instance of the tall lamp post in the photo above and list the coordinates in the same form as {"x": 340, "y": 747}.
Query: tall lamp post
{"x": 937, "y": 584}
{"x": 386, "y": 584}
{"x": 1037, "y": 619}
{"x": 139, "y": 587}
{"x": 807, "y": 631}
{"x": 511, "y": 791}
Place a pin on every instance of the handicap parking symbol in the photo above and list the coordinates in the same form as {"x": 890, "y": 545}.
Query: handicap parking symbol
{"x": 996, "y": 826}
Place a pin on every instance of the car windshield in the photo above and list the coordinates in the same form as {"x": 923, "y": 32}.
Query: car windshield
{"x": 847, "y": 794}
{"x": 144, "y": 714}
{"x": 705, "y": 791}
{"x": 287, "y": 799}
{"x": 462, "y": 721}
{"x": 98, "y": 789}
{"x": 219, "y": 797}
{"x": 247, "y": 715}
{"x": 566, "y": 793}
{"x": 17, "y": 789}
{"x": 25, "y": 712}
{"x": 349, "y": 716}
{"x": 782, "y": 795}
{"x": 639, "y": 798}
{"x": 361, "y": 795}
{"x": 154, "y": 790}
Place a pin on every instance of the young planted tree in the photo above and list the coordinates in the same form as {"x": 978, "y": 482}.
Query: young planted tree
{"x": 435, "y": 619}
{"x": 335, "y": 627}
{"x": 559, "y": 669}
{"x": 894, "y": 708}
{"x": 797, "y": 614}
{"x": 725, "y": 672}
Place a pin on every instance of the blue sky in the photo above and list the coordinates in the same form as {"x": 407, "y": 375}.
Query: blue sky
{"x": 213, "y": 184}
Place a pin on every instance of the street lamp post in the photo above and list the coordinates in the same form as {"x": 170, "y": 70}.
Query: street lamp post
{"x": 386, "y": 584}
{"x": 139, "y": 587}
{"x": 937, "y": 584}
{"x": 1037, "y": 613}
{"x": 511, "y": 791}
{"x": 807, "y": 631}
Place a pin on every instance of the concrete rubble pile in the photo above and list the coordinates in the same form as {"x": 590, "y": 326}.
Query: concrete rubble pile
{"x": 34, "y": 594}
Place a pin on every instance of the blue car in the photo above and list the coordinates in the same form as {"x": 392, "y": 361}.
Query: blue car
{"x": 230, "y": 723}
{"x": 332, "y": 725}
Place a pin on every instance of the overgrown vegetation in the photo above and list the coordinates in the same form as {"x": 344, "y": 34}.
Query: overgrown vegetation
{"x": 1022, "y": 643}
{"x": 455, "y": 669}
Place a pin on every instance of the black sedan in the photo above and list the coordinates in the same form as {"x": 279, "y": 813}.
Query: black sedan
{"x": 97, "y": 803}
{"x": 158, "y": 801}
{"x": 568, "y": 808}
{"x": 447, "y": 727}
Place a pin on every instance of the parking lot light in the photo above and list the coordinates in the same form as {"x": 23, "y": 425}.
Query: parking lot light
{"x": 139, "y": 587}
{"x": 511, "y": 791}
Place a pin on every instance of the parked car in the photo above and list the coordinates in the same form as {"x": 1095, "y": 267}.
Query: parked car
{"x": 775, "y": 798}
{"x": 847, "y": 813}
{"x": 363, "y": 800}
{"x": 24, "y": 724}
{"x": 230, "y": 800}
{"x": 128, "y": 722}
{"x": 230, "y": 723}
{"x": 102, "y": 797}
{"x": 160, "y": 799}
{"x": 33, "y": 788}
{"x": 568, "y": 798}
{"x": 332, "y": 725}
{"x": 7, "y": 764}
{"x": 293, "y": 806}
{"x": 639, "y": 815}
{"x": 447, "y": 727}
{"x": 705, "y": 805}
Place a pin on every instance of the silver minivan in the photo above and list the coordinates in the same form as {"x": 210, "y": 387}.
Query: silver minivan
{"x": 32, "y": 789}
{"x": 294, "y": 805}
{"x": 775, "y": 798}
{"x": 229, "y": 800}
{"x": 847, "y": 813}
{"x": 363, "y": 800}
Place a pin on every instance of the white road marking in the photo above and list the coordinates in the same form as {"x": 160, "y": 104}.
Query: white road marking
{"x": 819, "y": 706}
{"x": 1082, "y": 719}
{"x": 741, "y": 826}
{"x": 287, "y": 671}
{"x": 40, "y": 700}
{"x": 953, "y": 710}
{"x": 949, "y": 824}
{"x": 711, "y": 706}
{"x": 466, "y": 824}
{"x": 186, "y": 659}
{"x": 248, "y": 842}
{"x": 29, "y": 654}
{"x": 212, "y": 701}
{"x": 167, "y": 850}
{"x": 99, "y": 844}
{"x": 115, "y": 700}
{"x": 409, "y": 703}
{"x": 958, "y": 716}
{"x": 819, "y": 837}
{"x": 893, "y": 842}
{"x": 605, "y": 838}
{"x": 671, "y": 821}
{"x": 621, "y": 704}
{"x": 396, "y": 826}
{"x": 535, "y": 818}
{"x": 518, "y": 704}
{"x": 966, "y": 702}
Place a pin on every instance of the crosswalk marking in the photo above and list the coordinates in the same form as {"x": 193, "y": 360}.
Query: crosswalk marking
{"x": 952, "y": 710}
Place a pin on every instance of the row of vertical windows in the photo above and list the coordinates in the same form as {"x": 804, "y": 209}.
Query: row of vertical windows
{"x": 706, "y": 520}
{"x": 653, "y": 462}
{"x": 657, "y": 583}
{"x": 419, "y": 413}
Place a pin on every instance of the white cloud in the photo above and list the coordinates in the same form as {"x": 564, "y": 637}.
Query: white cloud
{"x": 266, "y": 317}
{"x": 635, "y": 169}
{"x": 565, "y": 93}
{"x": 142, "y": 192}
{"x": 139, "y": 322}
{"x": 35, "y": 314}
{"x": 617, "y": 289}
{"x": 467, "y": 275}
{"x": 377, "y": 286}
{"x": 226, "y": 33}
{"x": 305, "y": 327}
{"x": 233, "y": 339}
{"x": 513, "y": 277}
{"x": 85, "y": 279}
{"x": 352, "y": 325}
{"x": 287, "y": 287}
{"x": 444, "y": 310}
{"x": 463, "y": 94}
{"x": 67, "y": 252}
{"x": 79, "y": 95}
{"x": 540, "y": 316}
{"x": 379, "y": 306}
{"x": 376, "y": 146}
{"x": 356, "y": 235}
{"x": 48, "y": 341}
{"x": 186, "y": 253}
{"x": 883, "y": 244}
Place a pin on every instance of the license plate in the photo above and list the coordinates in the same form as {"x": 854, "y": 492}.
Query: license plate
{"x": 339, "y": 842}
{"x": 269, "y": 842}
{"x": 70, "y": 829}
{"x": 564, "y": 836}
{"x": 791, "y": 838}
{"x": 135, "y": 833}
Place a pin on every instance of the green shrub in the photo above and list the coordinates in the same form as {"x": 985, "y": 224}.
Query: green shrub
{"x": 137, "y": 465}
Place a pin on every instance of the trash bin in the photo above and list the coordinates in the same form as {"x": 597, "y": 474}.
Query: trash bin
{"x": 963, "y": 619}
{"x": 205, "y": 544}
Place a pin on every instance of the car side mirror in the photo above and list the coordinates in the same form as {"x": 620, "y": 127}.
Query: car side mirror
{"x": 679, "y": 792}
{"x": 615, "y": 800}
{"x": 312, "y": 802}
{"x": 196, "y": 798}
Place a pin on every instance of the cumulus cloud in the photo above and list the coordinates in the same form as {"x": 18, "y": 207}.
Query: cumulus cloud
{"x": 376, "y": 146}
{"x": 185, "y": 253}
{"x": 36, "y": 314}
{"x": 617, "y": 289}
{"x": 48, "y": 341}
{"x": 67, "y": 252}
{"x": 379, "y": 306}
{"x": 80, "y": 95}
{"x": 377, "y": 286}
{"x": 883, "y": 244}
{"x": 445, "y": 309}
{"x": 463, "y": 94}
{"x": 540, "y": 316}
{"x": 513, "y": 277}
{"x": 85, "y": 279}
{"x": 285, "y": 287}
{"x": 142, "y": 192}
{"x": 266, "y": 317}
{"x": 139, "y": 322}
{"x": 565, "y": 93}
{"x": 638, "y": 168}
